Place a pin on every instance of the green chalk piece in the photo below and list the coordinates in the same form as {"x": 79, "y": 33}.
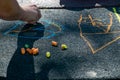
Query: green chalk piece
{"x": 26, "y": 46}
{"x": 48, "y": 54}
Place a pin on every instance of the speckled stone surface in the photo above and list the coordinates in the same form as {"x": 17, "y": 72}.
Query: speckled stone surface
{"x": 75, "y": 62}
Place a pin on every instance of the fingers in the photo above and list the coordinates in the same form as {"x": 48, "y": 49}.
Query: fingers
{"x": 33, "y": 5}
{"x": 38, "y": 12}
{"x": 31, "y": 14}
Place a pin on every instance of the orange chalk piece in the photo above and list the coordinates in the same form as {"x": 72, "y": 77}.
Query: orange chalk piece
{"x": 23, "y": 51}
{"x": 54, "y": 43}
{"x": 35, "y": 51}
{"x": 29, "y": 51}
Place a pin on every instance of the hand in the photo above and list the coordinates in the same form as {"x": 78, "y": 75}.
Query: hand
{"x": 30, "y": 14}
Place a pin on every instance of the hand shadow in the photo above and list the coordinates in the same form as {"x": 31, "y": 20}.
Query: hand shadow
{"x": 21, "y": 67}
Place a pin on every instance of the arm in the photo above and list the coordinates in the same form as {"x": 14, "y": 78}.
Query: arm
{"x": 9, "y": 9}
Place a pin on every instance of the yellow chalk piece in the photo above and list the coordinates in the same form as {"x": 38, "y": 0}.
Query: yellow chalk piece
{"x": 64, "y": 47}
{"x": 48, "y": 54}
{"x": 116, "y": 13}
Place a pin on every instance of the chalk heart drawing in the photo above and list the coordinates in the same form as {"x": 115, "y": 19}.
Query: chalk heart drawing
{"x": 96, "y": 34}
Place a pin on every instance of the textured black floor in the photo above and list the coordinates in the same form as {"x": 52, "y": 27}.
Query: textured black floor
{"x": 74, "y": 63}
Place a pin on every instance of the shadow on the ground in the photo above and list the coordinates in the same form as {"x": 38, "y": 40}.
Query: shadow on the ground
{"x": 62, "y": 67}
{"x": 2, "y": 78}
{"x": 45, "y": 69}
{"x": 21, "y": 67}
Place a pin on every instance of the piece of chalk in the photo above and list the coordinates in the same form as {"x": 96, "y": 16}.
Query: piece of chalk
{"x": 26, "y": 46}
{"x": 35, "y": 51}
{"x": 29, "y": 51}
{"x": 64, "y": 47}
{"x": 23, "y": 51}
{"x": 48, "y": 54}
{"x": 54, "y": 43}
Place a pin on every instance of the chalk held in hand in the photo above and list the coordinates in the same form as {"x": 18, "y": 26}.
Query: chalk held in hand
{"x": 48, "y": 54}
{"x": 64, "y": 47}
{"x": 54, "y": 43}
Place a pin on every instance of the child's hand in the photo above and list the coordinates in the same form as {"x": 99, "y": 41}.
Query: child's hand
{"x": 30, "y": 14}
